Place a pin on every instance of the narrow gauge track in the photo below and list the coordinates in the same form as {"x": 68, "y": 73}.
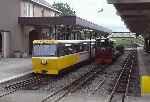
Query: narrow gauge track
{"x": 123, "y": 81}
{"x": 67, "y": 90}
{"x": 33, "y": 80}
{"x": 26, "y": 83}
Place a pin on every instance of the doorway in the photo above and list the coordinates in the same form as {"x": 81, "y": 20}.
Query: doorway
{"x": 33, "y": 35}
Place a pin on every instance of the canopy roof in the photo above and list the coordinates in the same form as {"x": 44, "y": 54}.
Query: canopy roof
{"x": 62, "y": 21}
{"x": 134, "y": 13}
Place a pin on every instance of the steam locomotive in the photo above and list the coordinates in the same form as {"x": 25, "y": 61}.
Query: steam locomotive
{"x": 106, "y": 51}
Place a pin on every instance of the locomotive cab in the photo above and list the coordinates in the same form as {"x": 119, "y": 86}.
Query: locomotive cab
{"x": 104, "y": 51}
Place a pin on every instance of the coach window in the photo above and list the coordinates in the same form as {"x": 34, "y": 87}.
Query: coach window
{"x": 85, "y": 46}
{"x": 76, "y": 47}
{"x": 81, "y": 48}
{"x": 69, "y": 49}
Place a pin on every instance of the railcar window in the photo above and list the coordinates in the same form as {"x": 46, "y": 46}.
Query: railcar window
{"x": 81, "y": 48}
{"x": 44, "y": 50}
{"x": 65, "y": 49}
{"x": 61, "y": 50}
{"x": 69, "y": 49}
{"x": 77, "y": 48}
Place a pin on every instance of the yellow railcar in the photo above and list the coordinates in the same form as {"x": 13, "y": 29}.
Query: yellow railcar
{"x": 53, "y": 56}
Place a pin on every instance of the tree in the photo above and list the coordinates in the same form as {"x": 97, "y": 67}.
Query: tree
{"x": 65, "y": 9}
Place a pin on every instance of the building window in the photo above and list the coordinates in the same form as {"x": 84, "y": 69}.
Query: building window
{"x": 25, "y": 9}
{"x": 33, "y": 10}
{"x": 28, "y": 8}
{"x": 42, "y": 12}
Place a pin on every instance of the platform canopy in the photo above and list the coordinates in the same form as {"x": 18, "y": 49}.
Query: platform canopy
{"x": 74, "y": 21}
{"x": 134, "y": 13}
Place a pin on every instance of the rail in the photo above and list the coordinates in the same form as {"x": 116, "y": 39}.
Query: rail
{"x": 124, "y": 75}
{"x": 67, "y": 90}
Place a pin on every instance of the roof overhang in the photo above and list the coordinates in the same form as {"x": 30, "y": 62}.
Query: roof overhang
{"x": 62, "y": 20}
{"x": 127, "y": 1}
{"x": 134, "y": 13}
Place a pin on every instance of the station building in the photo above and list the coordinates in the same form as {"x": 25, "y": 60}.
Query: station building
{"x": 15, "y": 37}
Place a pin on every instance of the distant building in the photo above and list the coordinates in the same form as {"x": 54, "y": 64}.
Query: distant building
{"x": 18, "y": 38}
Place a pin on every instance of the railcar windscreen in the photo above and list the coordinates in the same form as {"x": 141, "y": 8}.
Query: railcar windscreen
{"x": 44, "y": 50}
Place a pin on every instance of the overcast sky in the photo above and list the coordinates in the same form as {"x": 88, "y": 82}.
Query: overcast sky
{"x": 88, "y": 9}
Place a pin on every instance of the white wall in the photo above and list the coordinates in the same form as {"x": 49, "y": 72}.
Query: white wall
{"x": 10, "y": 11}
{"x": 29, "y": 9}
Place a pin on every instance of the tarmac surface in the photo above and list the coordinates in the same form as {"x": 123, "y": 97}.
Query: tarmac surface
{"x": 11, "y": 68}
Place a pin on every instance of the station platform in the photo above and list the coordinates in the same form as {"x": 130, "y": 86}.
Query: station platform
{"x": 11, "y": 68}
{"x": 144, "y": 69}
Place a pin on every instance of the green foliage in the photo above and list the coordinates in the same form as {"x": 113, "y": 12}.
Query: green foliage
{"x": 128, "y": 41}
{"x": 65, "y": 9}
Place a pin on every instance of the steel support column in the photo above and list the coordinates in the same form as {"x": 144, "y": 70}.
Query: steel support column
{"x": 146, "y": 44}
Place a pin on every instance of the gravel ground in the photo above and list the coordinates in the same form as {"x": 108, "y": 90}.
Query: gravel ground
{"x": 91, "y": 92}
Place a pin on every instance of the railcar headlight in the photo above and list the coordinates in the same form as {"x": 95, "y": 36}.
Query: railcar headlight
{"x": 44, "y": 61}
